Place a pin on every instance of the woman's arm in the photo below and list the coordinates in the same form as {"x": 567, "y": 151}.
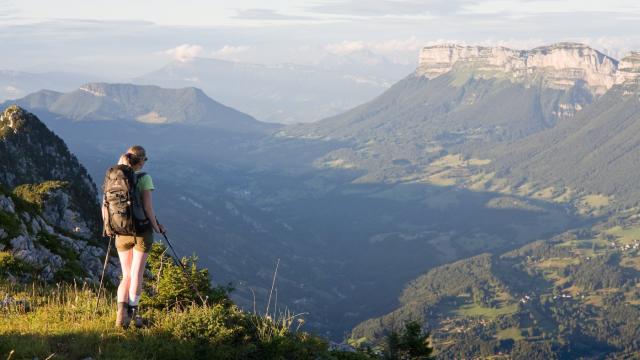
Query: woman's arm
{"x": 105, "y": 219}
{"x": 147, "y": 203}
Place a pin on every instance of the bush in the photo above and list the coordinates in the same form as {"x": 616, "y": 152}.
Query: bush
{"x": 10, "y": 223}
{"x": 11, "y": 265}
{"x": 170, "y": 285}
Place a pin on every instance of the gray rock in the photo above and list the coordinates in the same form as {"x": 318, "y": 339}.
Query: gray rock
{"x": 77, "y": 245}
{"x": 3, "y": 234}
{"x": 35, "y": 226}
{"x": 23, "y": 229}
{"x": 25, "y": 217}
{"x": 22, "y": 242}
{"x": 6, "y": 204}
{"x": 92, "y": 264}
{"x": 58, "y": 212}
{"x": 43, "y": 225}
{"x": 96, "y": 251}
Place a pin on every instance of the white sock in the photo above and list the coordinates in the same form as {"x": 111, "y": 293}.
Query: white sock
{"x": 133, "y": 300}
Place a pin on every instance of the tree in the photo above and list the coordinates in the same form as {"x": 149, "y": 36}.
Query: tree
{"x": 411, "y": 343}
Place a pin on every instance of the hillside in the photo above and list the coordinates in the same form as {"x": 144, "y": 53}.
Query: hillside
{"x": 576, "y": 295}
{"x": 49, "y": 221}
{"x": 596, "y": 152}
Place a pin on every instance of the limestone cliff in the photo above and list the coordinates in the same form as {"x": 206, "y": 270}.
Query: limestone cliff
{"x": 560, "y": 66}
{"x": 629, "y": 68}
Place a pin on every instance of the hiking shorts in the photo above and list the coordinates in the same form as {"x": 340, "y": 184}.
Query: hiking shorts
{"x": 140, "y": 242}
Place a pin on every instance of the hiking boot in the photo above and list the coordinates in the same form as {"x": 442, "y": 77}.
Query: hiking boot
{"x": 134, "y": 314}
{"x": 122, "y": 316}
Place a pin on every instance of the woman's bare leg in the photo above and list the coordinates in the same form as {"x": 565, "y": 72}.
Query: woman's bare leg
{"x": 137, "y": 273}
{"x": 125, "y": 263}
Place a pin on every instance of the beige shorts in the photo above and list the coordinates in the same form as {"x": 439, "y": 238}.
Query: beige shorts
{"x": 140, "y": 242}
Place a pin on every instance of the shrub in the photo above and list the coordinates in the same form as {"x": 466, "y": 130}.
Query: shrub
{"x": 11, "y": 265}
{"x": 170, "y": 285}
{"x": 10, "y": 223}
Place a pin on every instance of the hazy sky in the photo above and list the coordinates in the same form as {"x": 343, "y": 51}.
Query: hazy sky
{"x": 120, "y": 39}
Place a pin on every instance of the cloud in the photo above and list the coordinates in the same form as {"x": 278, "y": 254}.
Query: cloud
{"x": 229, "y": 51}
{"x": 7, "y": 10}
{"x": 379, "y": 8}
{"x": 614, "y": 46}
{"x": 266, "y": 14}
{"x": 185, "y": 52}
{"x": 411, "y": 44}
{"x": 533, "y": 7}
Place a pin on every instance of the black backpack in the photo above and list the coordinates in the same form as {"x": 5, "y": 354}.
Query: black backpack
{"x": 124, "y": 214}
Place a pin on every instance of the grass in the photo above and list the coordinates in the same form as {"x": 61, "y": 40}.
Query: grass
{"x": 631, "y": 262}
{"x": 510, "y": 333}
{"x": 626, "y": 235}
{"x": 557, "y": 263}
{"x": 339, "y": 163}
{"x": 62, "y": 323}
{"x": 596, "y": 200}
{"x": 476, "y": 310}
{"x": 545, "y": 194}
{"x": 565, "y": 196}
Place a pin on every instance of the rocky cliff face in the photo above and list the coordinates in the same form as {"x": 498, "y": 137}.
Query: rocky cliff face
{"x": 49, "y": 221}
{"x": 629, "y": 68}
{"x": 559, "y": 66}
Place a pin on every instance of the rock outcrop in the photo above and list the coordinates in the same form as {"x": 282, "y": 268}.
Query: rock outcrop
{"x": 629, "y": 68}
{"x": 560, "y": 66}
{"x": 49, "y": 222}
{"x": 30, "y": 153}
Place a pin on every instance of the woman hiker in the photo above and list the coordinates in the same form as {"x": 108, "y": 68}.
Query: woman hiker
{"x": 133, "y": 250}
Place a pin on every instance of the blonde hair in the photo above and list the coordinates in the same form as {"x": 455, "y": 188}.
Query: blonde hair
{"x": 138, "y": 151}
{"x": 135, "y": 155}
{"x": 124, "y": 160}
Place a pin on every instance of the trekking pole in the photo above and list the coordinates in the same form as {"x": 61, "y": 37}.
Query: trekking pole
{"x": 104, "y": 268}
{"x": 177, "y": 260}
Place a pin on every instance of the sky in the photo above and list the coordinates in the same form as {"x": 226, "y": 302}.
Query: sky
{"x": 120, "y": 39}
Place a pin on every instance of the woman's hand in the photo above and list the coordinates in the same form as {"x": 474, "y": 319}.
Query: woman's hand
{"x": 161, "y": 229}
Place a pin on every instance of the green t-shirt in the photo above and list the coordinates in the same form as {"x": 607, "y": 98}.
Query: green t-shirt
{"x": 145, "y": 183}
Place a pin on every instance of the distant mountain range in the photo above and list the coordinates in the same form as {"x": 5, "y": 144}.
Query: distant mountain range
{"x": 143, "y": 104}
{"x": 284, "y": 93}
